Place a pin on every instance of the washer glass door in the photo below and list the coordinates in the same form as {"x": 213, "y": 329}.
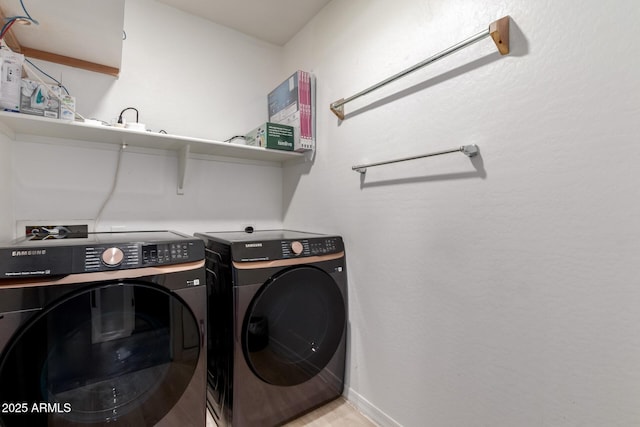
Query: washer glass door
{"x": 293, "y": 326}
{"x": 123, "y": 352}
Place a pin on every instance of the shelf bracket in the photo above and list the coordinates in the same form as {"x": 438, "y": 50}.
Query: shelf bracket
{"x": 183, "y": 158}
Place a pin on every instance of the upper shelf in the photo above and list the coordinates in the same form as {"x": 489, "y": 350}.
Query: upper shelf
{"x": 13, "y": 124}
{"x": 82, "y": 34}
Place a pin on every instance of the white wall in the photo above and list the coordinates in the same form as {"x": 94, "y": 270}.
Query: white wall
{"x": 6, "y": 199}
{"x": 498, "y": 291}
{"x": 187, "y": 76}
{"x": 218, "y": 195}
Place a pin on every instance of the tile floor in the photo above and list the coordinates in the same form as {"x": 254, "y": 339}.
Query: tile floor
{"x": 338, "y": 413}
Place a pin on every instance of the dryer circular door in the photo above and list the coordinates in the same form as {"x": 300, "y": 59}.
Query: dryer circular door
{"x": 123, "y": 352}
{"x": 293, "y": 326}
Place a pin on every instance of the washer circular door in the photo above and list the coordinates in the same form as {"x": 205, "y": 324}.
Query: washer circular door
{"x": 293, "y": 326}
{"x": 122, "y": 352}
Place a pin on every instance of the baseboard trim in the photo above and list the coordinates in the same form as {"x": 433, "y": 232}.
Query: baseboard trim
{"x": 369, "y": 410}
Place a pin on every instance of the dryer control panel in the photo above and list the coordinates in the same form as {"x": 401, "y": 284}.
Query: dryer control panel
{"x": 286, "y": 249}
{"x": 310, "y": 247}
{"x": 271, "y": 245}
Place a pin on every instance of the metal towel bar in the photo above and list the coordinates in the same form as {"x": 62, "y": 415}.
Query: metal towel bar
{"x": 498, "y": 30}
{"x": 468, "y": 150}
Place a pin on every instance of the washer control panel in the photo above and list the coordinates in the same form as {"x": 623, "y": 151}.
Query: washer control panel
{"x": 96, "y": 252}
{"x": 135, "y": 255}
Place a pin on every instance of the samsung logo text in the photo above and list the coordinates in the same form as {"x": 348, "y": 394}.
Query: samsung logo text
{"x": 29, "y": 252}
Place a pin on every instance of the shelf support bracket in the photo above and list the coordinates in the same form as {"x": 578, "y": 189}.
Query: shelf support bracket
{"x": 183, "y": 158}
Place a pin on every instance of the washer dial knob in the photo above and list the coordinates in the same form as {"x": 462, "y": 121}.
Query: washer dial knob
{"x": 112, "y": 257}
{"x": 296, "y": 247}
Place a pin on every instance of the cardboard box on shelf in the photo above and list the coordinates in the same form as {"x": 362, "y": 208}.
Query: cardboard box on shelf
{"x": 68, "y": 107}
{"x": 10, "y": 80}
{"x": 271, "y": 135}
{"x": 37, "y": 99}
{"x": 293, "y": 103}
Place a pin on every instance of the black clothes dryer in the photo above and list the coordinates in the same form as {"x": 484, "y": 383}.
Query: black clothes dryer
{"x": 103, "y": 329}
{"x": 278, "y": 321}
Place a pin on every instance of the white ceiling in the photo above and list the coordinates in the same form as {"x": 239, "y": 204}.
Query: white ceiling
{"x": 274, "y": 21}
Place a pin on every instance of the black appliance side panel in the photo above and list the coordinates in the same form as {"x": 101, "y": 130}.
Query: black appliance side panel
{"x": 220, "y": 325}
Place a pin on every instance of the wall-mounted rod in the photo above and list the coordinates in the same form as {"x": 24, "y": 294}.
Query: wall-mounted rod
{"x": 468, "y": 150}
{"x": 498, "y": 30}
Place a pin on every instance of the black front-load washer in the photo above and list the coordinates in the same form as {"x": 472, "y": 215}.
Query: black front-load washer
{"x": 103, "y": 329}
{"x": 278, "y": 323}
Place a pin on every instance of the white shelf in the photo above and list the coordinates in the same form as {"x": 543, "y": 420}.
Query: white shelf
{"x": 13, "y": 124}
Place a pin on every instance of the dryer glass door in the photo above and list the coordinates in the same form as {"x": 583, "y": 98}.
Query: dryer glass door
{"x": 123, "y": 352}
{"x": 294, "y": 326}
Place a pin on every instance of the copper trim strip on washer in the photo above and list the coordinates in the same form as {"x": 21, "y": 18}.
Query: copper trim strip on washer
{"x": 252, "y": 265}
{"x": 100, "y": 276}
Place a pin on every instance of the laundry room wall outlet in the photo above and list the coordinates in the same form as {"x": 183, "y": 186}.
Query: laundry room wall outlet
{"x": 75, "y": 226}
